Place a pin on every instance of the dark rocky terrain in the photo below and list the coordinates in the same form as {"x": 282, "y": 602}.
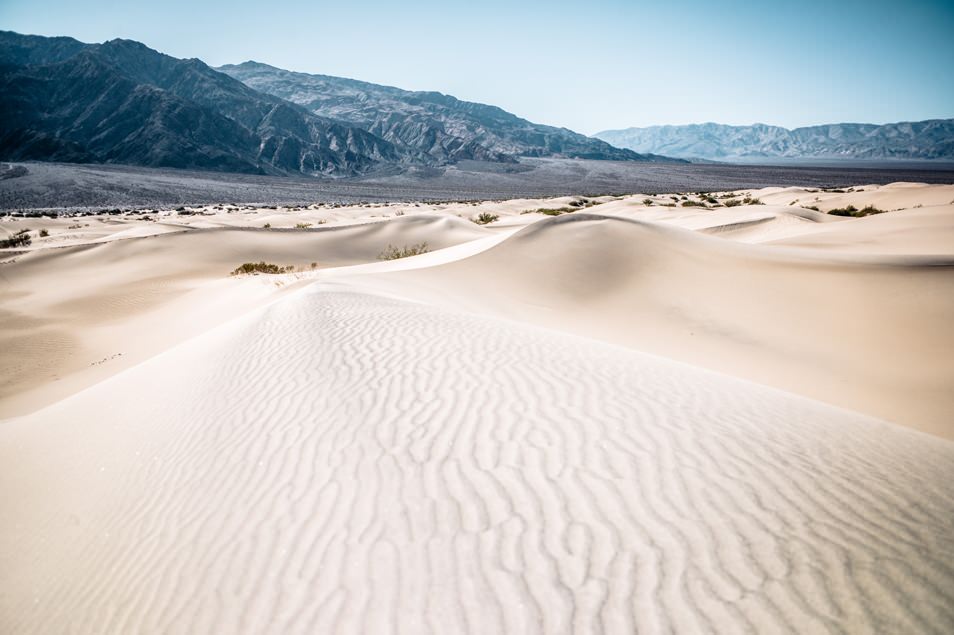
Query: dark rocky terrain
{"x": 440, "y": 126}
{"x": 67, "y": 187}
{"x": 924, "y": 140}
{"x": 121, "y": 102}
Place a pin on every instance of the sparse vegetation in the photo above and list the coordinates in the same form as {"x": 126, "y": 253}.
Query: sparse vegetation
{"x": 259, "y": 267}
{"x": 550, "y": 211}
{"x": 647, "y": 202}
{"x": 486, "y": 218}
{"x": 854, "y": 212}
{"x": 44, "y": 233}
{"x": 693, "y": 204}
{"x": 19, "y": 239}
{"x": 394, "y": 253}
{"x": 748, "y": 200}
{"x": 732, "y": 202}
{"x": 267, "y": 226}
{"x": 302, "y": 225}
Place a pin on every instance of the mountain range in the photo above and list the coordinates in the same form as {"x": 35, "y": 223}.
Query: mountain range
{"x": 122, "y": 102}
{"x": 924, "y": 140}
{"x": 442, "y": 127}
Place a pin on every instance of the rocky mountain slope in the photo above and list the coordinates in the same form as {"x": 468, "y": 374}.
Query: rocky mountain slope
{"x": 440, "y": 126}
{"x": 925, "y": 140}
{"x": 122, "y": 102}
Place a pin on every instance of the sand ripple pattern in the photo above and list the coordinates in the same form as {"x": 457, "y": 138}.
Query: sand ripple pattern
{"x": 343, "y": 463}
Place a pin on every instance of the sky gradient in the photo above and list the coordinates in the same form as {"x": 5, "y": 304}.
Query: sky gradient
{"x": 588, "y": 66}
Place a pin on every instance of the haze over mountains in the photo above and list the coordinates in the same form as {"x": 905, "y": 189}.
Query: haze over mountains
{"x": 923, "y": 140}
{"x": 122, "y": 102}
{"x": 440, "y": 126}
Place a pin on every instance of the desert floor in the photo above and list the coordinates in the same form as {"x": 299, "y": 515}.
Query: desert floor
{"x": 651, "y": 413}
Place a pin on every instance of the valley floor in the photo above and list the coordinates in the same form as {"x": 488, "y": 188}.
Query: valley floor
{"x": 652, "y": 412}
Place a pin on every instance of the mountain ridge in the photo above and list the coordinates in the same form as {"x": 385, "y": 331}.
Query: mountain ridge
{"x": 443, "y": 127}
{"x": 121, "y": 102}
{"x": 931, "y": 139}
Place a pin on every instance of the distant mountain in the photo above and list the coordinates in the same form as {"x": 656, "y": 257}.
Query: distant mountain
{"x": 925, "y": 140}
{"x": 440, "y": 126}
{"x": 122, "y": 102}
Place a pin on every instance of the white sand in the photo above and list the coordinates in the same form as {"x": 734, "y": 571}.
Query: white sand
{"x": 475, "y": 439}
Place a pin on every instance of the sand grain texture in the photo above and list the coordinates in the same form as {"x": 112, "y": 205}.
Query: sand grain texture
{"x": 340, "y": 462}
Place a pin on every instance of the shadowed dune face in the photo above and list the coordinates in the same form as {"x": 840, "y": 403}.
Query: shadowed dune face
{"x": 855, "y": 331}
{"x": 340, "y": 462}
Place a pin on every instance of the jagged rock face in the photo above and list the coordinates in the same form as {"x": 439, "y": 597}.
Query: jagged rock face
{"x": 439, "y": 126}
{"x": 932, "y": 139}
{"x": 121, "y": 102}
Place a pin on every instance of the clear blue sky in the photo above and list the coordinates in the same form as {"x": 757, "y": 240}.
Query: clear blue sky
{"x": 587, "y": 65}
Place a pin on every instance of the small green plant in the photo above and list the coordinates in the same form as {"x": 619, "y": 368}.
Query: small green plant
{"x": 44, "y": 233}
{"x": 647, "y": 202}
{"x": 550, "y": 211}
{"x": 393, "y": 253}
{"x": 748, "y": 200}
{"x": 302, "y": 225}
{"x": 267, "y": 226}
{"x": 814, "y": 208}
{"x": 260, "y": 267}
{"x": 732, "y": 202}
{"x": 486, "y": 218}
{"x": 19, "y": 239}
{"x": 854, "y": 212}
{"x": 693, "y": 204}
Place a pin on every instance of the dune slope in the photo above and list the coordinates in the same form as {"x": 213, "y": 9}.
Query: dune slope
{"x": 856, "y": 330}
{"x": 342, "y": 462}
{"x": 73, "y": 315}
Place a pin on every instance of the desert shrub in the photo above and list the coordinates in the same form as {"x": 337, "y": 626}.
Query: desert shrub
{"x": 748, "y": 200}
{"x": 302, "y": 225}
{"x": 19, "y": 239}
{"x": 550, "y": 211}
{"x": 485, "y": 218}
{"x": 849, "y": 210}
{"x": 44, "y": 233}
{"x": 693, "y": 204}
{"x": 853, "y": 212}
{"x": 259, "y": 267}
{"x": 732, "y": 202}
{"x": 267, "y": 226}
{"x": 393, "y": 253}
{"x": 647, "y": 202}
{"x": 814, "y": 208}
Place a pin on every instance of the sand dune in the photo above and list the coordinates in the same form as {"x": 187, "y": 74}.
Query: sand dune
{"x": 479, "y": 439}
{"x": 74, "y": 315}
{"x": 824, "y": 326}
{"x": 341, "y": 462}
